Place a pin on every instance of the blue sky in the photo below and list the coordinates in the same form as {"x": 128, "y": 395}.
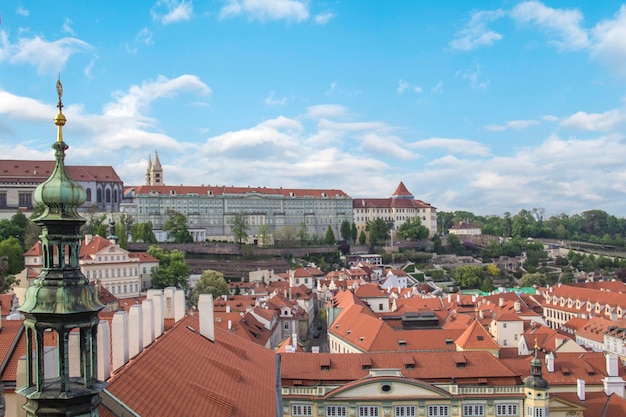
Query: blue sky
{"x": 486, "y": 106}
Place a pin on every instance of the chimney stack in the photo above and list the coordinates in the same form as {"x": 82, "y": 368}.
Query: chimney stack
{"x": 135, "y": 330}
{"x": 207, "y": 324}
{"x": 120, "y": 339}
{"x": 550, "y": 362}
{"x": 148, "y": 321}
{"x": 500, "y": 302}
{"x": 159, "y": 311}
{"x": 179, "y": 305}
{"x": 104, "y": 350}
{"x": 580, "y": 389}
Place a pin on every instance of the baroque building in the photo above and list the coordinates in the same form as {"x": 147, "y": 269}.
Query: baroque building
{"x": 395, "y": 210}
{"x": 209, "y": 209}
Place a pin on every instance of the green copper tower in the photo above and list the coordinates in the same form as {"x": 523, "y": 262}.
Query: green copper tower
{"x": 61, "y": 301}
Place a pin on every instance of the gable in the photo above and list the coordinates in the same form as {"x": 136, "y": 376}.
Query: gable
{"x": 561, "y": 404}
{"x": 389, "y": 388}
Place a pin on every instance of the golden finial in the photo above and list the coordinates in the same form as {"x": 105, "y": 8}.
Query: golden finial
{"x": 60, "y": 120}
{"x": 536, "y": 345}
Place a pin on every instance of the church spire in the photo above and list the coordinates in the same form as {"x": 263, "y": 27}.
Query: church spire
{"x": 61, "y": 300}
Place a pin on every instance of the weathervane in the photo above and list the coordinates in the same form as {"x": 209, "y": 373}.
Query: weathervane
{"x": 60, "y": 120}
{"x": 59, "y": 93}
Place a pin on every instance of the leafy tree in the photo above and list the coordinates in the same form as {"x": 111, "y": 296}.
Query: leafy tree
{"x": 344, "y": 248}
{"x": 487, "y": 285}
{"x": 15, "y": 227}
{"x": 362, "y": 238}
{"x": 142, "y": 232}
{"x": 329, "y": 239}
{"x": 378, "y": 231}
{"x": 469, "y": 276}
{"x": 454, "y": 244}
{"x": 286, "y": 236}
{"x": 530, "y": 280}
{"x": 302, "y": 233}
{"x": 346, "y": 230}
{"x": 354, "y": 232}
{"x": 210, "y": 282}
{"x": 492, "y": 270}
{"x": 176, "y": 227}
{"x": 123, "y": 226}
{"x": 264, "y": 234}
{"x": 172, "y": 271}
{"x": 6, "y": 280}
{"x": 95, "y": 223}
{"x": 413, "y": 229}
{"x": 14, "y": 252}
{"x": 239, "y": 227}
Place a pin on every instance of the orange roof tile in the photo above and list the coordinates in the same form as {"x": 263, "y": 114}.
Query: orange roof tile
{"x": 476, "y": 337}
{"x": 36, "y": 172}
{"x": 223, "y": 190}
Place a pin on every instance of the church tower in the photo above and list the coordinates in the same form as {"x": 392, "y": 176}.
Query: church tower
{"x": 61, "y": 301}
{"x": 536, "y": 390}
{"x": 154, "y": 174}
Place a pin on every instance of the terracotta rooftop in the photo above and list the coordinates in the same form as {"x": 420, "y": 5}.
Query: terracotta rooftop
{"x": 36, "y": 172}
{"x": 229, "y": 377}
{"x": 223, "y": 190}
{"x": 476, "y": 337}
{"x": 401, "y": 190}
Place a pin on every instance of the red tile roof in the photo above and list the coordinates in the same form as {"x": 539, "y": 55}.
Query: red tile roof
{"x": 35, "y": 172}
{"x": 223, "y": 190}
{"x": 229, "y": 377}
{"x": 143, "y": 257}
{"x": 401, "y": 190}
{"x": 476, "y": 337}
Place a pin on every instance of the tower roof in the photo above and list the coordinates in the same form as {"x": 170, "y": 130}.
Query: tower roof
{"x": 157, "y": 162}
{"x": 402, "y": 191}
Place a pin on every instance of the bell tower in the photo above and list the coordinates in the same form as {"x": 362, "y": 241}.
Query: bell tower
{"x": 537, "y": 401}
{"x": 61, "y": 301}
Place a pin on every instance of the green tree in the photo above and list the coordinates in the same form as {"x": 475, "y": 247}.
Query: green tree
{"x": 210, "y": 282}
{"x": 469, "y": 276}
{"x": 142, "y": 232}
{"x": 378, "y": 232}
{"x": 454, "y": 244}
{"x": 346, "y": 230}
{"x": 123, "y": 227}
{"x": 329, "y": 239}
{"x": 530, "y": 280}
{"x": 486, "y": 285}
{"x": 302, "y": 233}
{"x": 95, "y": 224}
{"x": 362, "y": 238}
{"x": 6, "y": 280}
{"x": 286, "y": 236}
{"x": 14, "y": 251}
{"x": 354, "y": 232}
{"x": 413, "y": 229}
{"x": 264, "y": 234}
{"x": 172, "y": 271}
{"x": 492, "y": 270}
{"x": 176, "y": 227}
{"x": 239, "y": 227}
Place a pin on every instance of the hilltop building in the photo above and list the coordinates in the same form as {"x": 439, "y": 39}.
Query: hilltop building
{"x": 18, "y": 180}
{"x": 209, "y": 209}
{"x": 396, "y": 209}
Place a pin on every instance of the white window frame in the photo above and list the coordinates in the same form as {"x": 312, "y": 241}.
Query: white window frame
{"x": 368, "y": 411}
{"x": 405, "y": 411}
{"x": 301, "y": 410}
{"x": 507, "y": 409}
{"x": 336, "y": 411}
{"x": 438, "y": 410}
{"x": 472, "y": 410}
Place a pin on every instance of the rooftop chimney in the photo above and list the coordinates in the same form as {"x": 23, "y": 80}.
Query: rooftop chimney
{"x": 120, "y": 339}
{"x": 104, "y": 350}
{"x": 148, "y": 321}
{"x": 227, "y": 308}
{"x": 205, "y": 308}
{"x": 179, "y": 305}
{"x": 613, "y": 383}
{"x": 159, "y": 311}
{"x": 500, "y": 302}
{"x": 135, "y": 330}
{"x": 580, "y": 389}
{"x": 550, "y": 362}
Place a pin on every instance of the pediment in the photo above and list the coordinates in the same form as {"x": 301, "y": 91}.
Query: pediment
{"x": 561, "y": 404}
{"x": 388, "y": 388}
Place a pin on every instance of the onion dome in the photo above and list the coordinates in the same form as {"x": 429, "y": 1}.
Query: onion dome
{"x": 59, "y": 195}
{"x": 535, "y": 379}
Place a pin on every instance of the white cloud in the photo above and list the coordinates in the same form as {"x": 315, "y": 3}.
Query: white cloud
{"x": 402, "y": 85}
{"x": 418, "y": 89}
{"x": 89, "y": 67}
{"x": 455, "y": 146}
{"x": 473, "y": 76}
{"x": 24, "y": 108}
{"x": 564, "y": 23}
{"x": 266, "y": 10}
{"x": 606, "y": 121}
{"x": 512, "y": 124}
{"x": 47, "y": 57}
{"x": 550, "y": 118}
{"x": 22, "y": 11}
{"x": 172, "y": 11}
{"x": 326, "y": 110}
{"x": 67, "y": 28}
{"x": 323, "y": 18}
{"x": 476, "y": 33}
{"x": 270, "y": 100}
{"x": 609, "y": 38}
{"x": 386, "y": 145}
{"x": 438, "y": 88}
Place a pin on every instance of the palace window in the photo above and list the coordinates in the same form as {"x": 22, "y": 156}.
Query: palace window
{"x": 368, "y": 411}
{"x": 473, "y": 410}
{"x": 405, "y": 411}
{"x": 506, "y": 409}
{"x": 336, "y": 411}
{"x": 301, "y": 410}
{"x": 438, "y": 411}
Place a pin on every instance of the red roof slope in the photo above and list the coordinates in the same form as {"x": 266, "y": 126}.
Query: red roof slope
{"x": 229, "y": 377}
{"x": 36, "y": 172}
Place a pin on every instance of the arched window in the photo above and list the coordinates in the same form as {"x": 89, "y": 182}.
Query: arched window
{"x": 88, "y": 191}
{"x": 99, "y": 195}
{"x": 108, "y": 195}
{"x": 115, "y": 196}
